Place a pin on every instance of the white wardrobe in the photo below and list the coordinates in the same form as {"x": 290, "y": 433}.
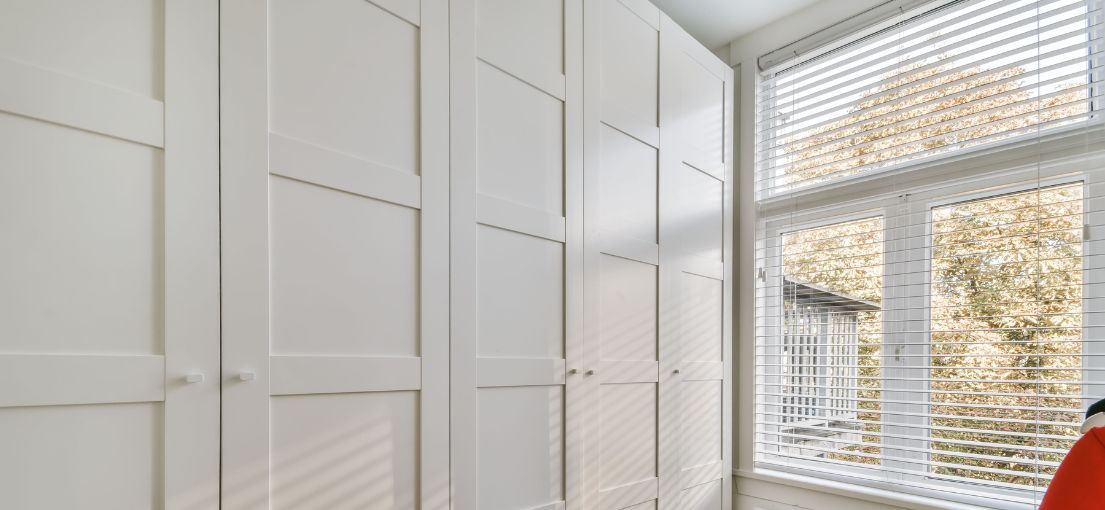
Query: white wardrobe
{"x": 363, "y": 254}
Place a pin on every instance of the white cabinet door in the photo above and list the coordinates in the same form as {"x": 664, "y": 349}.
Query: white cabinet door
{"x": 658, "y": 157}
{"x": 516, "y": 81}
{"x": 696, "y": 163}
{"x": 335, "y": 246}
{"x": 624, "y": 253}
{"x": 109, "y": 288}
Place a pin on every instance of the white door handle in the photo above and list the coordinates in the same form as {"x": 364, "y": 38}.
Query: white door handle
{"x": 194, "y": 377}
{"x": 247, "y": 376}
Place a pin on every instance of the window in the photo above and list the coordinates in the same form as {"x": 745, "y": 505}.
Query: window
{"x": 930, "y": 300}
{"x": 960, "y": 75}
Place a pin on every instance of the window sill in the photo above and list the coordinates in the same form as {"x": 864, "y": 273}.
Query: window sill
{"x": 855, "y": 492}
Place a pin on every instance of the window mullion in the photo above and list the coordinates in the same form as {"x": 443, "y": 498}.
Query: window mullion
{"x": 904, "y": 348}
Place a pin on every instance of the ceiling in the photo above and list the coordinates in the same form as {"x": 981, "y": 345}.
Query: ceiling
{"x": 716, "y": 22}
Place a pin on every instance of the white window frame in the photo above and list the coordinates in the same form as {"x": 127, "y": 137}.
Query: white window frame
{"x": 904, "y": 253}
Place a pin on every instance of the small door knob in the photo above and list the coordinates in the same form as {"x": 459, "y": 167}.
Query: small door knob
{"x": 247, "y": 376}
{"x": 676, "y": 371}
{"x": 572, "y": 371}
{"x": 193, "y": 378}
{"x": 591, "y": 372}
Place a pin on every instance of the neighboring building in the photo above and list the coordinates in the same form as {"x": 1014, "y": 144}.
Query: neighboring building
{"x": 820, "y": 355}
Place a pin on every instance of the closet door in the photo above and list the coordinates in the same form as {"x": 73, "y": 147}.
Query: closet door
{"x": 696, "y": 164}
{"x": 109, "y": 289}
{"x": 516, "y": 252}
{"x": 335, "y": 269}
{"x": 624, "y": 254}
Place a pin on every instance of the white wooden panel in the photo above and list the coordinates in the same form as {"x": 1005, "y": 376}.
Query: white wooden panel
{"x": 696, "y": 129}
{"x": 701, "y": 318}
{"x": 615, "y": 372}
{"x": 627, "y": 434}
{"x": 521, "y": 295}
{"x": 520, "y": 142}
{"x": 336, "y": 197}
{"x": 345, "y": 75}
{"x": 192, "y": 302}
{"x": 519, "y": 218}
{"x": 701, "y": 428}
{"x": 648, "y": 505}
{"x": 702, "y": 474}
{"x": 114, "y": 246}
{"x": 627, "y": 187}
{"x": 703, "y": 497}
{"x": 53, "y": 379}
{"x": 525, "y": 39}
{"x": 627, "y": 309}
{"x": 640, "y": 494}
{"x": 351, "y": 450}
{"x": 706, "y": 268}
{"x": 521, "y": 435}
{"x": 702, "y": 212}
{"x": 301, "y": 375}
{"x": 123, "y": 48}
{"x": 629, "y": 65}
{"x": 629, "y": 248}
{"x": 302, "y": 161}
{"x": 98, "y": 457}
{"x": 408, "y": 10}
{"x": 63, "y": 99}
{"x": 703, "y": 117}
{"x": 99, "y": 198}
{"x": 493, "y": 372}
{"x": 702, "y": 370}
{"x": 344, "y": 273}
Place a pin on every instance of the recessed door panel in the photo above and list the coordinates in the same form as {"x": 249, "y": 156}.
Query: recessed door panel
{"x": 335, "y": 211}
{"x": 345, "y": 76}
{"x": 344, "y": 273}
{"x": 109, "y": 214}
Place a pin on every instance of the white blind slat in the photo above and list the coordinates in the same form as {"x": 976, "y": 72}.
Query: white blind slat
{"x": 936, "y": 335}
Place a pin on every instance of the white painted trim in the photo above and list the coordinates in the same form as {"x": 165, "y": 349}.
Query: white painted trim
{"x": 627, "y": 124}
{"x": 713, "y": 269}
{"x": 433, "y": 420}
{"x": 305, "y": 375}
{"x": 698, "y": 475}
{"x": 59, "y": 379}
{"x": 244, "y": 177}
{"x": 553, "y": 84}
{"x": 620, "y": 372}
{"x": 302, "y": 161}
{"x": 630, "y": 494}
{"x": 463, "y": 262}
{"x": 644, "y": 10}
{"x": 703, "y": 371}
{"x": 493, "y": 372}
{"x": 404, "y": 9}
{"x": 506, "y": 215}
{"x": 629, "y": 248}
{"x": 191, "y": 218}
{"x": 797, "y": 489}
{"x": 51, "y": 96}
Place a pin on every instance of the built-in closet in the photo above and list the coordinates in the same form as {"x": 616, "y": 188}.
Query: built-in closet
{"x": 437, "y": 254}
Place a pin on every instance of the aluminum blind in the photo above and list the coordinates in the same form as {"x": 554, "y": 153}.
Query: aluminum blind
{"x": 930, "y": 252}
{"x": 959, "y": 74}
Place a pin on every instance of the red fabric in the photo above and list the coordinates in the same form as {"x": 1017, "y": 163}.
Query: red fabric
{"x": 1079, "y": 484}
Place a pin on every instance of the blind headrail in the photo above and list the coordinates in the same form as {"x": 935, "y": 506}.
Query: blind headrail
{"x": 842, "y": 30}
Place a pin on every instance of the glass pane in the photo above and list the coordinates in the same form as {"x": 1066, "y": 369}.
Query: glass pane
{"x": 1006, "y": 344}
{"x": 831, "y": 345}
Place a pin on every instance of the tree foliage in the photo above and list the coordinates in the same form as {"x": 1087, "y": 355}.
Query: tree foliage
{"x": 1004, "y": 352}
